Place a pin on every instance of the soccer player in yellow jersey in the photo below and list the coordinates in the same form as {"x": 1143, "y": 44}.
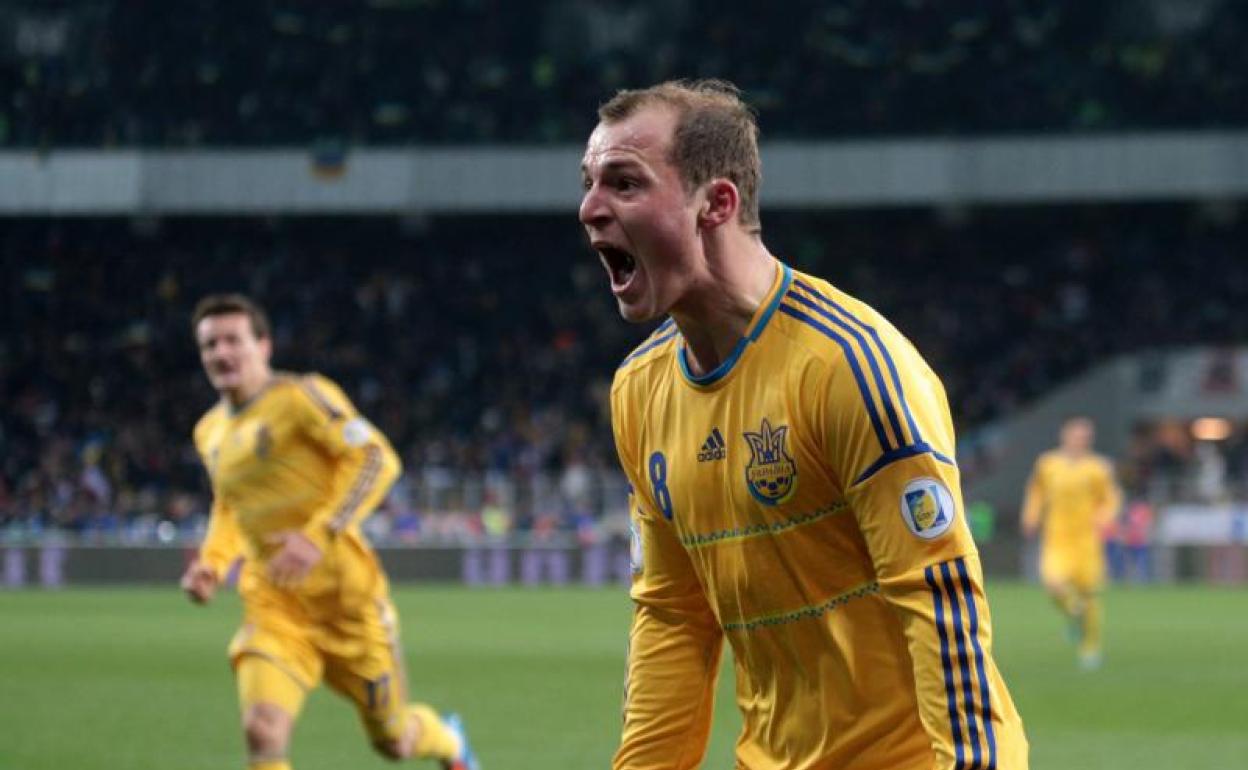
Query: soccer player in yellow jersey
{"x": 294, "y": 470}
{"x": 794, "y": 491}
{"x": 1073, "y": 494}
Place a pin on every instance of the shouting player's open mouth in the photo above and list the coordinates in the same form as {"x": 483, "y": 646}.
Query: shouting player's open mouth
{"x": 621, "y": 266}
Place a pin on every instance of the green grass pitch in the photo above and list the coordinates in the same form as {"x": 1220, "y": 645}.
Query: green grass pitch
{"x": 137, "y": 679}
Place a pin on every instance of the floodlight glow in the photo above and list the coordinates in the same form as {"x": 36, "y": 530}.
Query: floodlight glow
{"x": 1211, "y": 428}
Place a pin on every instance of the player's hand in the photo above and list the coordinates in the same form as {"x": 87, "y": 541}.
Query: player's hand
{"x": 199, "y": 582}
{"x": 1030, "y": 528}
{"x": 295, "y": 558}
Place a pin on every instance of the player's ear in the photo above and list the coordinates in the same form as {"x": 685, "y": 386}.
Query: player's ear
{"x": 266, "y": 347}
{"x": 720, "y": 205}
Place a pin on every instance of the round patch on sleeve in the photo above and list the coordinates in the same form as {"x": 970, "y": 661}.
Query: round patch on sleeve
{"x": 927, "y": 508}
{"x": 356, "y": 432}
{"x": 634, "y": 547}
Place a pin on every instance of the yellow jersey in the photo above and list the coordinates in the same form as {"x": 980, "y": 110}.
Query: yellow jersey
{"x": 298, "y": 456}
{"x": 801, "y": 500}
{"x": 1075, "y": 496}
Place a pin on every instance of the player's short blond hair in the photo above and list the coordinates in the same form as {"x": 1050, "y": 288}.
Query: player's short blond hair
{"x": 231, "y": 304}
{"x": 716, "y": 135}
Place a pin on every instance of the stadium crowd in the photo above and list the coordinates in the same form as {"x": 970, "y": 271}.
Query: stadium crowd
{"x": 1165, "y": 461}
{"x": 484, "y": 346}
{"x": 108, "y": 73}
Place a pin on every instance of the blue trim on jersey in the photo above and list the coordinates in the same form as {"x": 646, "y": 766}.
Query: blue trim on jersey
{"x": 789, "y": 310}
{"x": 718, "y": 372}
{"x": 785, "y": 280}
{"x": 964, "y": 665}
{"x": 888, "y": 359}
{"x": 951, "y": 693}
{"x": 726, "y": 365}
{"x": 888, "y": 458}
{"x": 647, "y": 347}
{"x": 984, "y": 697}
{"x": 867, "y": 354}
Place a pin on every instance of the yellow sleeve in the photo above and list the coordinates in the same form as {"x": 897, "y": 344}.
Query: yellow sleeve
{"x": 365, "y": 465}
{"x": 1034, "y": 499}
{"x": 1111, "y": 497}
{"x": 675, "y": 643}
{"x": 223, "y": 542}
{"x": 893, "y": 449}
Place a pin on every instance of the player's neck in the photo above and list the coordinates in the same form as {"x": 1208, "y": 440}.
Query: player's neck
{"x": 244, "y": 394}
{"x": 715, "y": 313}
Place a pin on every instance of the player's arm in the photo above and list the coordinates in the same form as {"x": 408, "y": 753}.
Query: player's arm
{"x": 1110, "y": 497}
{"x": 674, "y": 644}
{"x": 1033, "y": 502}
{"x": 221, "y": 547}
{"x": 223, "y": 541}
{"x": 364, "y": 467}
{"x": 365, "y": 464}
{"x": 895, "y": 458}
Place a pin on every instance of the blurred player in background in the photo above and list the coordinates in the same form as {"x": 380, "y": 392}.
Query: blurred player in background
{"x": 1074, "y": 496}
{"x": 789, "y": 455}
{"x": 294, "y": 470}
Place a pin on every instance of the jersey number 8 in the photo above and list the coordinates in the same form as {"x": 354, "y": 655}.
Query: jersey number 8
{"x": 658, "y": 481}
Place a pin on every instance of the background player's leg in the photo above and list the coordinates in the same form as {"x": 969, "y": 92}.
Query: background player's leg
{"x": 1090, "y": 643}
{"x": 1088, "y": 582}
{"x": 374, "y": 678}
{"x": 396, "y": 729}
{"x": 1057, "y": 574}
{"x": 433, "y": 737}
{"x": 269, "y": 699}
{"x": 1066, "y": 598}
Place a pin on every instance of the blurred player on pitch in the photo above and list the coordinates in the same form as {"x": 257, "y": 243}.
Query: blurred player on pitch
{"x": 1073, "y": 493}
{"x": 294, "y": 470}
{"x": 793, "y": 487}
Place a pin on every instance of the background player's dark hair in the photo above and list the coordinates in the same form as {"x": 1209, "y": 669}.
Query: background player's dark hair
{"x": 716, "y": 135}
{"x": 229, "y": 304}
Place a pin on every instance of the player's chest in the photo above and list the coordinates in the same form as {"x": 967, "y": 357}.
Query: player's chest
{"x": 1072, "y": 481}
{"x": 245, "y": 448}
{"x": 726, "y": 460}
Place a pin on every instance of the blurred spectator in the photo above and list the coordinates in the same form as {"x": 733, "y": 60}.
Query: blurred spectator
{"x": 1137, "y": 538}
{"x": 1209, "y": 473}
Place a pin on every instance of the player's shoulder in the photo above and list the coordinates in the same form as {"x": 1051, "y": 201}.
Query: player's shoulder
{"x": 208, "y": 420}
{"x": 646, "y": 360}
{"x": 1048, "y": 457}
{"x": 1104, "y": 462}
{"x": 845, "y": 331}
{"x": 311, "y": 389}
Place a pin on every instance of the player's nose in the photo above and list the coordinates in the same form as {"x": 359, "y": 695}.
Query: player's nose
{"x": 593, "y": 211}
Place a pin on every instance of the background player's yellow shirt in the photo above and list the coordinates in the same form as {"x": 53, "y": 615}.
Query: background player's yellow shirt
{"x": 297, "y": 456}
{"x": 802, "y": 501}
{"x": 1076, "y": 496}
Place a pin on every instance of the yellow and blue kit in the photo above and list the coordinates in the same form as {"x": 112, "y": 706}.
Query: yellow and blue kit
{"x": 298, "y": 456}
{"x": 1076, "y": 497}
{"x": 802, "y": 501}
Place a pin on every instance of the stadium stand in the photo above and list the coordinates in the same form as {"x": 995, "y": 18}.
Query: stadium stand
{"x": 484, "y": 346}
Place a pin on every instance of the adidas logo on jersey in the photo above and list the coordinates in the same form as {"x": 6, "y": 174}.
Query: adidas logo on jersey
{"x": 713, "y": 448}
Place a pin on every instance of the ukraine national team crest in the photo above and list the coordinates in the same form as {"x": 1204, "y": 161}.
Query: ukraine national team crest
{"x": 264, "y": 442}
{"x": 771, "y": 474}
{"x": 927, "y": 508}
